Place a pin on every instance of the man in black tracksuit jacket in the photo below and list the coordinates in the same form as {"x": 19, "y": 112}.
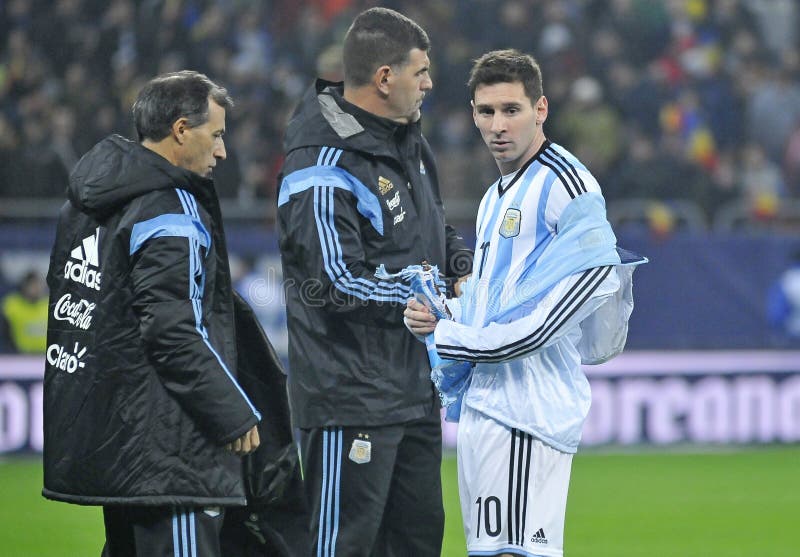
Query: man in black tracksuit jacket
{"x": 359, "y": 189}
{"x": 143, "y": 413}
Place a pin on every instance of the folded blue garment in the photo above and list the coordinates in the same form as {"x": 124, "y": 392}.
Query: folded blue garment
{"x": 450, "y": 377}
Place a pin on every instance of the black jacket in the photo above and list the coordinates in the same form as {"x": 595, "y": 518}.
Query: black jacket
{"x": 140, "y": 394}
{"x": 275, "y": 520}
{"x": 357, "y": 191}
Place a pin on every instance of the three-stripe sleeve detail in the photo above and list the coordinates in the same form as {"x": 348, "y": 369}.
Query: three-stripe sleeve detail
{"x": 324, "y": 179}
{"x": 329, "y": 156}
{"x": 333, "y": 260}
{"x": 332, "y": 439}
{"x": 565, "y": 171}
{"x": 519, "y": 468}
{"x": 574, "y": 298}
{"x": 197, "y": 282}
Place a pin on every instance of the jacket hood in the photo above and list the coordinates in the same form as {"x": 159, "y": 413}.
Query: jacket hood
{"x": 117, "y": 170}
{"x": 324, "y": 118}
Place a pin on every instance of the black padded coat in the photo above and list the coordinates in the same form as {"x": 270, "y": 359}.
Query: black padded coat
{"x": 140, "y": 390}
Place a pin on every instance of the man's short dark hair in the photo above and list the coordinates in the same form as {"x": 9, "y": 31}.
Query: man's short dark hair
{"x": 379, "y": 37}
{"x": 507, "y": 66}
{"x": 171, "y": 96}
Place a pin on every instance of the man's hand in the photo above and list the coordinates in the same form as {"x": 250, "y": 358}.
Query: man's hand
{"x": 418, "y": 318}
{"x": 245, "y": 444}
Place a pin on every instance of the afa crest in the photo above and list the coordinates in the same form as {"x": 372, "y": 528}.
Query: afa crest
{"x": 384, "y": 185}
{"x": 510, "y": 225}
{"x": 361, "y": 451}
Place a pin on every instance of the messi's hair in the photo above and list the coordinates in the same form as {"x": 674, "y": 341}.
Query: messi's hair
{"x": 507, "y": 66}
{"x": 171, "y": 96}
{"x": 378, "y": 37}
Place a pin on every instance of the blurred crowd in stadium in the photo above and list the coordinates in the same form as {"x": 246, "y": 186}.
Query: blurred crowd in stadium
{"x": 696, "y": 100}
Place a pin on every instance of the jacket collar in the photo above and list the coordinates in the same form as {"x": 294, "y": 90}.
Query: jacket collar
{"x": 380, "y": 128}
{"x": 117, "y": 170}
{"x": 324, "y": 119}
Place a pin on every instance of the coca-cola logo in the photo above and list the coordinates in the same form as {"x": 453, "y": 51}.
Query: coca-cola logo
{"x": 77, "y": 313}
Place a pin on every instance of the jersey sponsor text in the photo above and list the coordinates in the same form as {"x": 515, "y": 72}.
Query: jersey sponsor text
{"x": 60, "y": 358}
{"x": 78, "y": 313}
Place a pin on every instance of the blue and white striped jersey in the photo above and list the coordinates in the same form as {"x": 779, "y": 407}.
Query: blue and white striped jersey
{"x": 527, "y": 355}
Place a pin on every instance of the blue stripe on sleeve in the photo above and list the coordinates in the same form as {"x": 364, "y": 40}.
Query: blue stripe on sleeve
{"x": 333, "y": 260}
{"x": 543, "y": 237}
{"x": 325, "y": 178}
{"x": 367, "y": 202}
{"x": 196, "y": 291}
{"x": 185, "y": 226}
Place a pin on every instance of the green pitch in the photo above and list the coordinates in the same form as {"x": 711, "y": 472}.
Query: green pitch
{"x": 738, "y": 503}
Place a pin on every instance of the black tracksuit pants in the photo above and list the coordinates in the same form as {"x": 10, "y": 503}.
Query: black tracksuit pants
{"x": 375, "y": 491}
{"x": 133, "y": 531}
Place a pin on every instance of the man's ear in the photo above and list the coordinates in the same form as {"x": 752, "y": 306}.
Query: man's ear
{"x": 179, "y": 128}
{"x": 382, "y": 79}
{"x": 541, "y": 110}
{"x": 474, "y": 112}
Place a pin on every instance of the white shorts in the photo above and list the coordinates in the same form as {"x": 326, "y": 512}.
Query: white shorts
{"x": 513, "y": 489}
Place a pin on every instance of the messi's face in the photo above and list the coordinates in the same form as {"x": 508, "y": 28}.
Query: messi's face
{"x": 510, "y": 124}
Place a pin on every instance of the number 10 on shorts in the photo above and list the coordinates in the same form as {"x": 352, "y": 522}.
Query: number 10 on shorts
{"x": 489, "y": 517}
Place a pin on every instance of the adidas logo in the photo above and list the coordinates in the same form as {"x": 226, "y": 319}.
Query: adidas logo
{"x": 384, "y": 185}
{"x": 83, "y": 262}
{"x": 539, "y": 536}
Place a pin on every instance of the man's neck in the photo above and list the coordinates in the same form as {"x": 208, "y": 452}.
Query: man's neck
{"x": 160, "y": 148}
{"x": 367, "y": 99}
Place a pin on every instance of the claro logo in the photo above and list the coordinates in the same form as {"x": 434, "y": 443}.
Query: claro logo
{"x": 77, "y": 313}
{"x": 84, "y": 262}
{"x": 61, "y": 358}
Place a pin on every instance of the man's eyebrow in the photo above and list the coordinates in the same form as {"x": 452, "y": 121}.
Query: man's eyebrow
{"x": 511, "y": 104}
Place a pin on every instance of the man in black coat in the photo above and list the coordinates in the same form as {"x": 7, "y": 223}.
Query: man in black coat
{"x": 359, "y": 189}
{"x": 143, "y": 413}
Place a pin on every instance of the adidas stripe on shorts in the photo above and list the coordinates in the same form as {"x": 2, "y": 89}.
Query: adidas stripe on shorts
{"x": 513, "y": 489}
